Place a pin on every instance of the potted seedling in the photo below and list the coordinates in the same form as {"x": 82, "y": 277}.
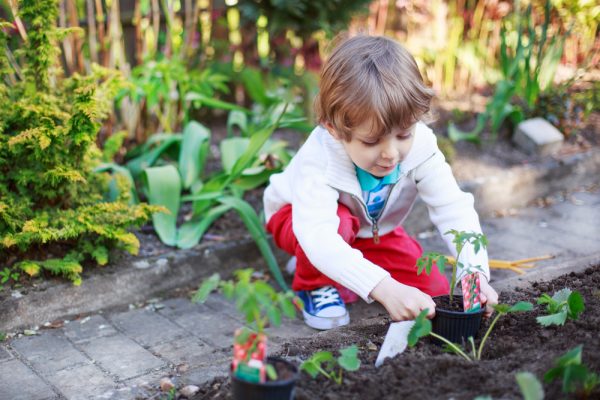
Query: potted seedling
{"x": 253, "y": 374}
{"x": 423, "y": 327}
{"x": 452, "y": 321}
{"x": 324, "y": 363}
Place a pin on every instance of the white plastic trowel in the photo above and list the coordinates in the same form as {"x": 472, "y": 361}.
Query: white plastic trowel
{"x": 395, "y": 341}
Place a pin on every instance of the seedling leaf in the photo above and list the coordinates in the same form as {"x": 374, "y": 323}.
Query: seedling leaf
{"x": 271, "y": 373}
{"x": 576, "y": 305}
{"x": 313, "y": 366}
{"x": 530, "y": 386}
{"x": 422, "y": 327}
{"x": 206, "y": 288}
{"x": 349, "y": 360}
{"x": 521, "y": 306}
{"x": 553, "y": 319}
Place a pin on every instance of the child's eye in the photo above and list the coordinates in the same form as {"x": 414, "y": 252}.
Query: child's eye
{"x": 404, "y": 135}
{"x": 369, "y": 143}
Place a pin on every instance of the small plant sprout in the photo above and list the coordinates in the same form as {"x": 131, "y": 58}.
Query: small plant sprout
{"x": 576, "y": 378}
{"x": 461, "y": 239}
{"x": 530, "y": 386}
{"x": 258, "y": 301}
{"x": 324, "y": 363}
{"x": 565, "y": 304}
{"x": 422, "y": 327}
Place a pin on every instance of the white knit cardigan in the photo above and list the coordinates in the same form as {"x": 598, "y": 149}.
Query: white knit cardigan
{"x": 322, "y": 174}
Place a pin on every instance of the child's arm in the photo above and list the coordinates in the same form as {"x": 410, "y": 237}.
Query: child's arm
{"x": 402, "y": 302}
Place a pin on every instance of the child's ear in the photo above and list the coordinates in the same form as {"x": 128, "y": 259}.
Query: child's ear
{"x": 332, "y": 131}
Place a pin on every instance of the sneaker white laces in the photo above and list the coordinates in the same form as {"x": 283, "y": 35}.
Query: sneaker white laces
{"x": 325, "y": 295}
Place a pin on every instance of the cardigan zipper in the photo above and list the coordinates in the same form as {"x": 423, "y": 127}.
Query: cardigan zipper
{"x": 374, "y": 221}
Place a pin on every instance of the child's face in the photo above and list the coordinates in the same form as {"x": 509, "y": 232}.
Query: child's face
{"x": 377, "y": 155}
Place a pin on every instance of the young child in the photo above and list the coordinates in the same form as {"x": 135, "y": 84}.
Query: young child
{"x": 339, "y": 205}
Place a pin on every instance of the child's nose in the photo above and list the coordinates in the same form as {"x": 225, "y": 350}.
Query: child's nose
{"x": 389, "y": 152}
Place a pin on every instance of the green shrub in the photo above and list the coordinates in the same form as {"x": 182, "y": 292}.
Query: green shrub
{"x": 52, "y": 212}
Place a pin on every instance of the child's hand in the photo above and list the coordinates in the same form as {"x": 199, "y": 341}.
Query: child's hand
{"x": 488, "y": 296}
{"x": 402, "y": 302}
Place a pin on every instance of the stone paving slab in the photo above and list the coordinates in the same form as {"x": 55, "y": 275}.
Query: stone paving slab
{"x": 4, "y": 354}
{"x": 81, "y": 382}
{"x": 121, "y": 356}
{"x": 18, "y": 382}
{"x": 88, "y": 328}
{"x": 188, "y": 350}
{"x": 49, "y": 352}
{"x": 142, "y": 324}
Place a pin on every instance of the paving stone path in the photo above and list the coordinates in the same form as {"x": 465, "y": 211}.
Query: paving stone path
{"x": 116, "y": 354}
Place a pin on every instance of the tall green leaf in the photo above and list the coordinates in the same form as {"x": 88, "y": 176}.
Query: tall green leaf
{"x": 257, "y": 231}
{"x": 147, "y": 159}
{"x": 163, "y": 186}
{"x": 194, "y": 149}
{"x": 192, "y": 231}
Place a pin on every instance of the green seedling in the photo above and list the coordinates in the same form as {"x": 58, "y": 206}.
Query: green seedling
{"x": 2, "y": 336}
{"x": 530, "y": 386}
{"x": 576, "y": 377}
{"x": 565, "y": 304}
{"x": 422, "y": 327}
{"x": 257, "y": 300}
{"x": 461, "y": 239}
{"x": 332, "y": 368}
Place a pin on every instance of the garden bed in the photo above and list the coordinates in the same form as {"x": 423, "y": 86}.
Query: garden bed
{"x": 518, "y": 343}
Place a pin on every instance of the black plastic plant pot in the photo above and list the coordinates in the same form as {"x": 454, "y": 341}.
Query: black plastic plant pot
{"x": 456, "y": 326}
{"x": 281, "y": 389}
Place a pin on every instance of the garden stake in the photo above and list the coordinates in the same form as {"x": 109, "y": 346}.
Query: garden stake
{"x": 471, "y": 291}
{"x": 516, "y": 266}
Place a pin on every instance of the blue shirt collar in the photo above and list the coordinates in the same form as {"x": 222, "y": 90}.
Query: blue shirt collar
{"x": 369, "y": 182}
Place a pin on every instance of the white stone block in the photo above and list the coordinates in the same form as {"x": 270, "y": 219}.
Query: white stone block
{"x": 538, "y": 136}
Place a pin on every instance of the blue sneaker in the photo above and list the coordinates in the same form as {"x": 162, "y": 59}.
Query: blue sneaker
{"x": 324, "y": 308}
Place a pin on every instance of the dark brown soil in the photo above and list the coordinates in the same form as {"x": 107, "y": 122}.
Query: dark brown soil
{"x": 518, "y": 343}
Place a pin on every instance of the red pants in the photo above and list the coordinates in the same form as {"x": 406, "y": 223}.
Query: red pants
{"x": 396, "y": 252}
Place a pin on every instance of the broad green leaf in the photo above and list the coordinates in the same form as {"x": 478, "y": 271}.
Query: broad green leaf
{"x": 421, "y": 328}
{"x": 349, "y": 358}
{"x": 248, "y": 182}
{"x": 239, "y": 119}
{"x": 573, "y": 376}
{"x": 253, "y": 82}
{"x": 562, "y": 296}
{"x": 456, "y": 134}
{"x": 202, "y": 196}
{"x": 502, "y": 308}
{"x": 231, "y": 150}
{"x": 257, "y": 231}
{"x": 553, "y": 319}
{"x": 530, "y": 386}
{"x": 192, "y": 231}
{"x": 192, "y": 155}
{"x": 202, "y": 99}
{"x": 147, "y": 159}
{"x": 163, "y": 186}
{"x": 274, "y": 316}
{"x": 257, "y": 141}
{"x": 521, "y": 306}
{"x": 206, "y": 288}
{"x": 287, "y": 306}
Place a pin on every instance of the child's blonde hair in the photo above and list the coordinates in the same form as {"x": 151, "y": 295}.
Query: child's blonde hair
{"x": 371, "y": 78}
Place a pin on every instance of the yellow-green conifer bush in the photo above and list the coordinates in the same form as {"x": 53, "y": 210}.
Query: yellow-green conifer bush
{"x": 53, "y": 215}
